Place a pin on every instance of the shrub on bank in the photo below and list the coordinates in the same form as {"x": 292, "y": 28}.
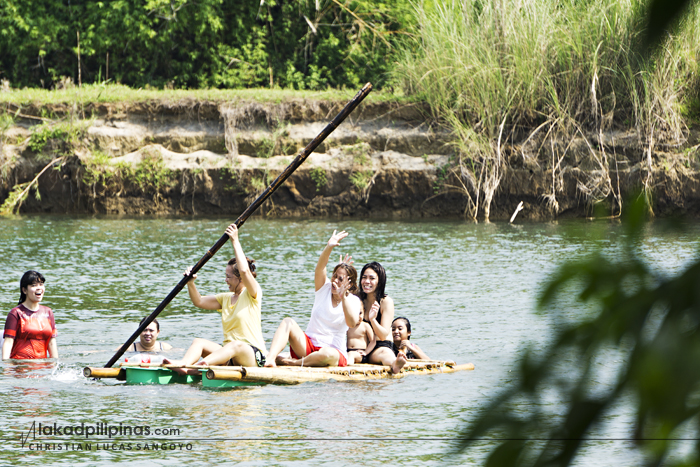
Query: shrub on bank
{"x": 543, "y": 72}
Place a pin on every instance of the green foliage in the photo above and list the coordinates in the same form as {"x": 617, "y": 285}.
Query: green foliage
{"x": 496, "y": 70}
{"x": 208, "y": 43}
{"x": 17, "y": 196}
{"x": 360, "y": 153}
{"x": 64, "y": 132}
{"x": 318, "y": 175}
{"x": 275, "y": 144}
{"x": 442, "y": 173}
{"x": 646, "y": 327}
{"x": 20, "y": 192}
{"x": 96, "y": 169}
{"x": 150, "y": 174}
{"x": 361, "y": 178}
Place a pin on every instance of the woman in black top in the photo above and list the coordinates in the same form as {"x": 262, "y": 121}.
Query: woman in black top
{"x": 379, "y": 313}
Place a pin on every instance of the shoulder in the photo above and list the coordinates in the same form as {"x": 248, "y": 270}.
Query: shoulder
{"x": 386, "y": 301}
{"x": 355, "y": 298}
{"x": 45, "y": 309}
{"x": 166, "y": 346}
{"x": 221, "y": 297}
{"x": 326, "y": 286}
{"x": 13, "y": 316}
{"x": 257, "y": 297}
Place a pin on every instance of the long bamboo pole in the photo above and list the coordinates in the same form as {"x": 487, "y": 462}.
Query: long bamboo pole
{"x": 301, "y": 157}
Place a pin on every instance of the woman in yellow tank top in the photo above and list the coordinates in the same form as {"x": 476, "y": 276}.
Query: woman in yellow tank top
{"x": 240, "y": 316}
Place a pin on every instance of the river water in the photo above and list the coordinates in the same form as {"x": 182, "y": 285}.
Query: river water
{"x": 469, "y": 289}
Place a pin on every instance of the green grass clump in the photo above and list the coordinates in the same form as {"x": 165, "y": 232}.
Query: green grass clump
{"x": 361, "y": 178}
{"x": 318, "y": 175}
{"x": 62, "y": 131}
{"x": 494, "y": 70}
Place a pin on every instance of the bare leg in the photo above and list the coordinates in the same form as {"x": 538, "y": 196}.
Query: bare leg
{"x": 199, "y": 348}
{"x": 384, "y": 356}
{"x": 327, "y": 356}
{"x": 399, "y": 363}
{"x": 241, "y": 353}
{"x": 287, "y": 332}
{"x": 354, "y": 357}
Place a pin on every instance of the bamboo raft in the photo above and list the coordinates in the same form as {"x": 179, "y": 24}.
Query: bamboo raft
{"x": 233, "y": 376}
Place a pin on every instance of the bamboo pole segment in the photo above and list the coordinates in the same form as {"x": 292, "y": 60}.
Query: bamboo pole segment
{"x": 117, "y": 373}
{"x": 294, "y": 375}
{"x": 227, "y": 375}
{"x": 287, "y": 375}
{"x": 298, "y": 160}
{"x": 290, "y": 376}
{"x": 462, "y": 367}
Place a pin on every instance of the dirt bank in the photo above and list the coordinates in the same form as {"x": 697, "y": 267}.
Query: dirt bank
{"x": 386, "y": 160}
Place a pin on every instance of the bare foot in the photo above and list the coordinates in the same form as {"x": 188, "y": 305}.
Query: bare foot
{"x": 398, "y": 363}
{"x": 270, "y": 364}
{"x": 194, "y": 371}
{"x": 180, "y": 371}
{"x": 280, "y": 360}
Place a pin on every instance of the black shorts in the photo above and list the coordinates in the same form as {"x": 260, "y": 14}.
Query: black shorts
{"x": 259, "y": 357}
{"x": 378, "y": 345}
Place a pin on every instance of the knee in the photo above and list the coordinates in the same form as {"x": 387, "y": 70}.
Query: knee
{"x": 330, "y": 356}
{"x": 383, "y": 356}
{"x": 287, "y": 323}
{"x": 233, "y": 346}
{"x": 198, "y": 341}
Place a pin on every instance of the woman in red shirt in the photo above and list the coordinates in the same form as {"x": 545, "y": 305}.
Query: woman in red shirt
{"x": 30, "y": 330}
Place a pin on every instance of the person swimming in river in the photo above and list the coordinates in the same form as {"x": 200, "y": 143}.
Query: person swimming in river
{"x": 401, "y": 334}
{"x": 359, "y": 338}
{"x": 30, "y": 328}
{"x": 240, "y": 316}
{"x": 148, "y": 339}
{"x": 335, "y": 310}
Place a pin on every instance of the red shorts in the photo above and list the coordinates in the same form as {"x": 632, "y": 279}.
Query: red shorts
{"x": 310, "y": 347}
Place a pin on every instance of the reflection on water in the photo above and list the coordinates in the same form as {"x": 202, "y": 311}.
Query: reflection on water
{"x": 468, "y": 289}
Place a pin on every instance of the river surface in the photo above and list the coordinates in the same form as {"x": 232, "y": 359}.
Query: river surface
{"x": 469, "y": 289}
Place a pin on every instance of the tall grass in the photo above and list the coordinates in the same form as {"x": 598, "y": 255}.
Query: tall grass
{"x": 537, "y": 71}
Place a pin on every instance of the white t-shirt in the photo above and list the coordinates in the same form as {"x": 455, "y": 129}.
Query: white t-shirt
{"x": 327, "y": 327}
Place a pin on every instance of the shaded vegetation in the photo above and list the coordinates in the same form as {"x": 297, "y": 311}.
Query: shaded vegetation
{"x": 297, "y": 44}
{"x": 638, "y": 347}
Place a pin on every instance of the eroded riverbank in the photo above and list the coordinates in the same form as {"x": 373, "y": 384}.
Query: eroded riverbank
{"x": 387, "y": 160}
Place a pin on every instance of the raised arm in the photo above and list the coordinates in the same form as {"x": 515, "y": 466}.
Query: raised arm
{"x": 242, "y": 263}
{"x": 351, "y": 304}
{"x": 320, "y": 272}
{"x": 382, "y": 331}
{"x": 208, "y": 302}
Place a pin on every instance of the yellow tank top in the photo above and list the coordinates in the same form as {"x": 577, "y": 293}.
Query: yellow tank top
{"x": 241, "y": 322}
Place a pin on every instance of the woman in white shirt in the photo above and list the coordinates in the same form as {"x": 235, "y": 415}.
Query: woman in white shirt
{"x": 336, "y": 309}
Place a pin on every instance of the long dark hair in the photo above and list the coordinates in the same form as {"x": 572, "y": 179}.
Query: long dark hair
{"x": 408, "y": 324}
{"x": 381, "y": 281}
{"x": 29, "y": 278}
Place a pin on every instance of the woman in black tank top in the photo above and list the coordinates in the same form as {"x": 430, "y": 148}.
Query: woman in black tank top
{"x": 379, "y": 313}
